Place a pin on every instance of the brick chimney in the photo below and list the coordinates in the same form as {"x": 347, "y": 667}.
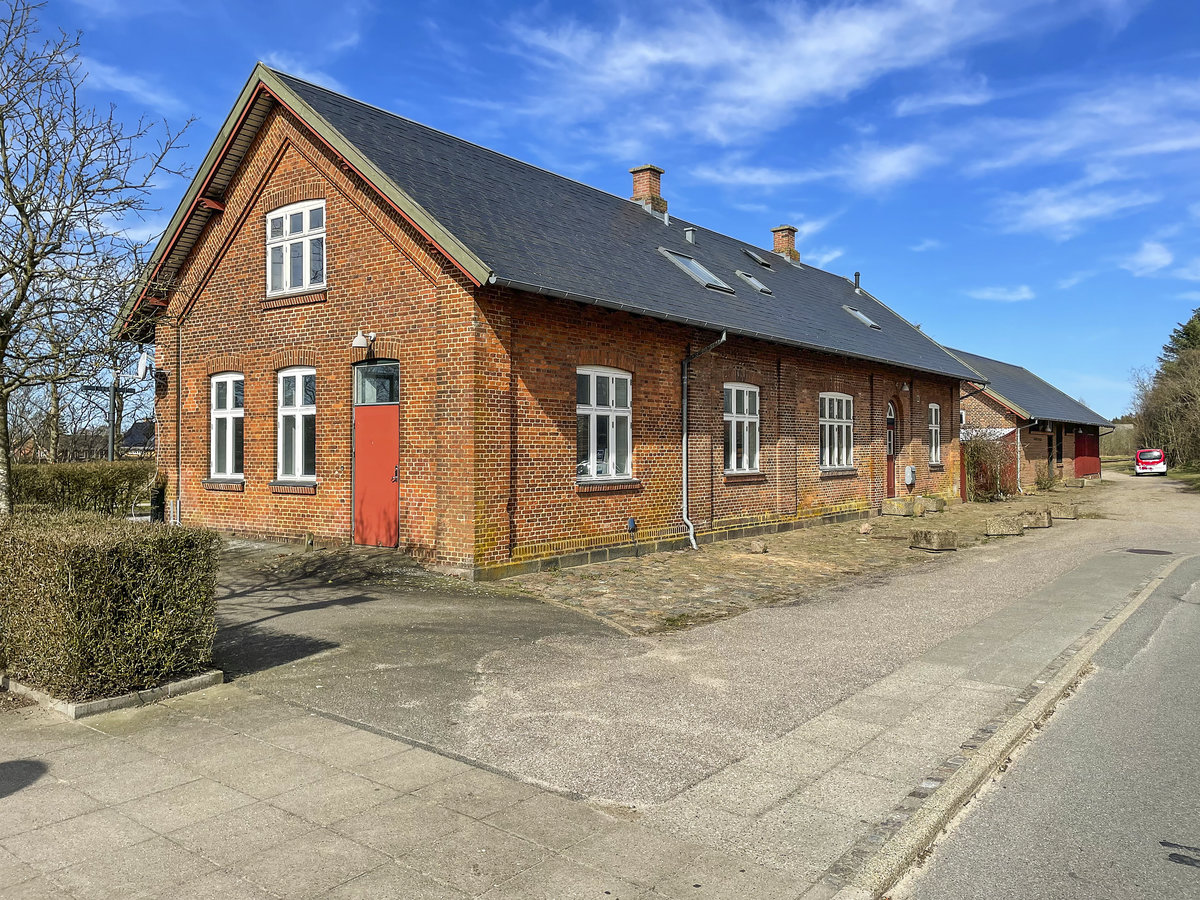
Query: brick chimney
{"x": 647, "y": 187}
{"x": 785, "y": 242}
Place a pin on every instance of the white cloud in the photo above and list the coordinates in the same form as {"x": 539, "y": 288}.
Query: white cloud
{"x": 101, "y": 76}
{"x": 881, "y": 167}
{"x": 741, "y": 175}
{"x": 1075, "y": 278}
{"x": 725, "y": 77}
{"x": 1003, "y": 294}
{"x": 1150, "y": 258}
{"x": 974, "y": 92}
{"x": 1193, "y": 296}
{"x": 1189, "y": 272}
{"x": 821, "y": 258}
{"x": 926, "y": 244}
{"x": 1062, "y": 212}
{"x": 867, "y": 168}
{"x": 293, "y": 65}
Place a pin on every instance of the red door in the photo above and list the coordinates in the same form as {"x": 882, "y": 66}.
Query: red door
{"x": 891, "y": 450}
{"x": 376, "y": 469}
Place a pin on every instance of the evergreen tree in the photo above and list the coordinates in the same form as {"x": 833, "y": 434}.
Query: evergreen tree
{"x": 1186, "y": 336}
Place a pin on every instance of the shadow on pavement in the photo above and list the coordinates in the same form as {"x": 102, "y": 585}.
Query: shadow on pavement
{"x": 18, "y": 774}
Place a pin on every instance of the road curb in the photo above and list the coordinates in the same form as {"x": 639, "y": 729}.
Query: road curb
{"x": 879, "y": 873}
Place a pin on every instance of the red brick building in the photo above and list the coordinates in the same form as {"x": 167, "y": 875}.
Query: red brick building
{"x": 1047, "y": 429}
{"x": 366, "y": 330}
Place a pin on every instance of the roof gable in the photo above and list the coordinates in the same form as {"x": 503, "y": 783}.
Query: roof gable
{"x": 1027, "y": 394}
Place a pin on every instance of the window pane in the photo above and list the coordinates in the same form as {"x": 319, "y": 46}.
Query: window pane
{"x": 728, "y": 402}
{"x": 824, "y": 431}
{"x": 739, "y": 402}
{"x": 296, "y": 264}
{"x": 583, "y": 443}
{"x": 277, "y": 227}
{"x": 752, "y": 402}
{"x": 239, "y": 434}
{"x": 583, "y": 389}
{"x": 839, "y": 410}
{"x": 287, "y": 465}
{"x": 728, "y": 443}
{"x": 378, "y": 384}
{"x": 822, "y": 407}
{"x": 296, "y": 223}
{"x": 622, "y": 448}
{"x": 316, "y": 261}
{"x": 310, "y": 390}
{"x": 219, "y": 439}
{"x": 221, "y": 401}
{"x": 316, "y": 218}
{"x": 239, "y": 394}
{"x": 622, "y": 400}
{"x": 288, "y": 391}
{"x": 849, "y": 409}
{"x": 310, "y": 445}
{"x": 277, "y": 268}
{"x": 752, "y": 445}
{"x": 603, "y": 460}
{"x": 603, "y": 382}
{"x": 739, "y": 432}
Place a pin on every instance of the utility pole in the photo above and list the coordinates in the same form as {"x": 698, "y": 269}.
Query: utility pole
{"x": 112, "y": 390}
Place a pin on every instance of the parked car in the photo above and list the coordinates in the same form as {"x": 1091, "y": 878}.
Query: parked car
{"x": 1150, "y": 462}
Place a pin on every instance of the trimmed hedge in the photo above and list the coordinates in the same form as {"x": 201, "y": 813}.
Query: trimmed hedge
{"x": 95, "y": 607}
{"x": 110, "y": 488}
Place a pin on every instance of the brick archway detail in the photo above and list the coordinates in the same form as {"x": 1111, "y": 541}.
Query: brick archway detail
{"x": 293, "y": 356}
{"x": 225, "y": 362}
{"x": 383, "y": 348}
{"x": 593, "y": 356}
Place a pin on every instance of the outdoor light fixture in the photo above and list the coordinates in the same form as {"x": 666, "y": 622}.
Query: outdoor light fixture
{"x": 362, "y": 341}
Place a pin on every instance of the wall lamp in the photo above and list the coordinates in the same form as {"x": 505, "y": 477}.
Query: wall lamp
{"x": 362, "y": 341}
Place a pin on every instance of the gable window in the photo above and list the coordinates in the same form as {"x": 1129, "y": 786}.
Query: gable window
{"x": 935, "y": 434}
{"x": 603, "y": 429}
{"x": 696, "y": 270}
{"x": 836, "y": 430}
{"x": 227, "y": 432}
{"x": 297, "y": 449}
{"x": 296, "y": 248}
{"x": 741, "y": 428}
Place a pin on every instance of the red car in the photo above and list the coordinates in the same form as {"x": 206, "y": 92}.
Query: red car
{"x": 1150, "y": 462}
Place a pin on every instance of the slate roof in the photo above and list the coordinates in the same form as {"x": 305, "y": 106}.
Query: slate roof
{"x": 544, "y": 233}
{"x": 1027, "y": 393}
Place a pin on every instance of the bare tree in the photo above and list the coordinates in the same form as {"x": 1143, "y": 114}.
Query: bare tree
{"x": 73, "y": 181}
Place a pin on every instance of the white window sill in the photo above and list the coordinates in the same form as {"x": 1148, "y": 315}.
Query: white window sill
{"x": 838, "y": 470}
{"x": 297, "y": 292}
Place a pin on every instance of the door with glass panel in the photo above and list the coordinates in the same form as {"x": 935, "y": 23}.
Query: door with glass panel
{"x": 891, "y": 449}
{"x": 377, "y": 454}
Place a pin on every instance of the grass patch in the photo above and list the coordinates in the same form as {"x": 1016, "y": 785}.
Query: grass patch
{"x": 1189, "y": 475}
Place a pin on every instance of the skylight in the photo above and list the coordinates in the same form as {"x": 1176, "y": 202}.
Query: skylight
{"x": 697, "y": 271}
{"x": 753, "y": 282}
{"x": 862, "y": 317}
{"x": 757, "y": 258}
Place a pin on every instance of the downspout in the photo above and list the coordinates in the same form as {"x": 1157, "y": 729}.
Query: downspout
{"x": 684, "y": 367}
{"x": 178, "y": 420}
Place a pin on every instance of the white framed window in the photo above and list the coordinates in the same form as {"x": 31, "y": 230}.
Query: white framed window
{"x": 296, "y": 248}
{"x": 935, "y": 434}
{"x": 604, "y": 423}
{"x": 297, "y": 425}
{"x": 836, "y": 424}
{"x": 227, "y": 425}
{"x": 741, "y": 428}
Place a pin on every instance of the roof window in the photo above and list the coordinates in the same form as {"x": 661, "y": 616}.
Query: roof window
{"x": 753, "y": 282}
{"x": 757, "y": 258}
{"x": 697, "y": 271}
{"x": 862, "y": 317}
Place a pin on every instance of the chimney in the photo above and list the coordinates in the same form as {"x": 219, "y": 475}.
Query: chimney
{"x": 785, "y": 242}
{"x": 647, "y": 188}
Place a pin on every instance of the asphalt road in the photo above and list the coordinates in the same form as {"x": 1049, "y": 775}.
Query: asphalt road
{"x": 1105, "y": 802}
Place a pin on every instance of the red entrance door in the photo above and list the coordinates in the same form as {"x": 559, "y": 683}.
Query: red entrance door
{"x": 376, "y": 456}
{"x": 891, "y": 450}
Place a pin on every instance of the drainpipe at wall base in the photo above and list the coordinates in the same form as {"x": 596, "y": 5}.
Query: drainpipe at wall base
{"x": 684, "y": 366}
{"x": 178, "y": 421}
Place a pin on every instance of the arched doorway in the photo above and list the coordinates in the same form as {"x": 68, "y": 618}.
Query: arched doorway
{"x": 891, "y": 448}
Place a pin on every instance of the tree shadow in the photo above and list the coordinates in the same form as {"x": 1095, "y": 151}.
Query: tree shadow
{"x": 18, "y": 774}
{"x": 246, "y": 648}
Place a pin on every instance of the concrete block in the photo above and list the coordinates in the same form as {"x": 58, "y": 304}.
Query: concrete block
{"x": 998, "y": 526}
{"x": 758, "y": 547}
{"x": 898, "y": 506}
{"x": 1064, "y": 511}
{"x": 934, "y": 539}
{"x": 934, "y": 504}
{"x": 1074, "y": 482}
{"x": 1036, "y": 518}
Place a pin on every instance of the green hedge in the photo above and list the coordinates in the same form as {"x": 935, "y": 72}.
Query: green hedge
{"x": 110, "y": 488}
{"x": 94, "y": 607}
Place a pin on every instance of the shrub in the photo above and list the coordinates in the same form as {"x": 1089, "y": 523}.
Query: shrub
{"x": 990, "y": 460}
{"x": 1045, "y": 478}
{"x": 95, "y": 607}
{"x": 111, "y": 488}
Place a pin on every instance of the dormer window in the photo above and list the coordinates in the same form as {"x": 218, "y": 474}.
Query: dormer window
{"x": 296, "y": 248}
{"x": 697, "y": 271}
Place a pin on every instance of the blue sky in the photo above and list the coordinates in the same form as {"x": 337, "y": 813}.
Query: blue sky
{"x": 1021, "y": 177}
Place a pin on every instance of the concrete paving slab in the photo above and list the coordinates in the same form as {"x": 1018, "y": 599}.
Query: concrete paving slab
{"x": 635, "y": 853}
{"x": 476, "y": 858}
{"x": 230, "y": 836}
{"x": 818, "y": 836}
{"x": 183, "y": 805}
{"x": 220, "y": 884}
{"x": 476, "y": 793}
{"x": 551, "y": 821}
{"x": 41, "y": 805}
{"x": 13, "y": 871}
{"x": 351, "y": 750}
{"x": 715, "y": 875}
{"x": 309, "y": 865}
{"x": 132, "y": 872}
{"x": 886, "y": 758}
{"x": 254, "y": 767}
{"x": 40, "y": 888}
{"x": 331, "y": 799}
{"x": 300, "y": 732}
{"x": 556, "y": 878}
{"x": 400, "y": 826}
{"x": 394, "y": 881}
{"x": 743, "y": 788}
{"x": 116, "y": 783}
{"x": 410, "y": 770}
{"x": 854, "y": 795}
{"x": 797, "y": 759}
{"x": 840, "y": 732}
{"x": 877, "y": 710}
{"x": 72, "y": 841}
